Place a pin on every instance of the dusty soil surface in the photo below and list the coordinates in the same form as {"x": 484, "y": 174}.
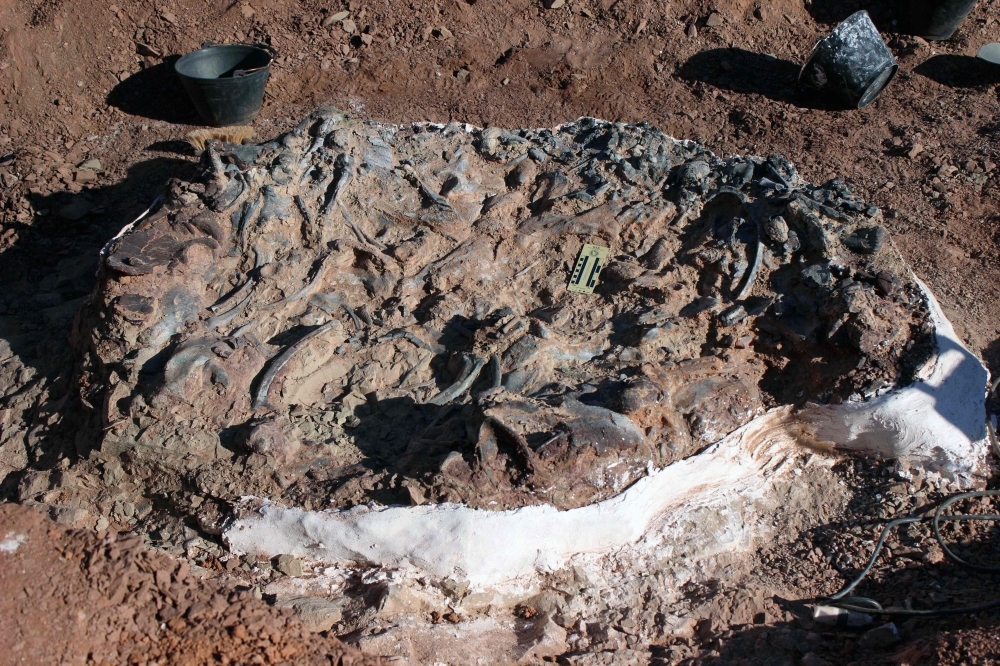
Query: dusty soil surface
{"x": 84, "y": 597}
{"x": 81, "y": 82}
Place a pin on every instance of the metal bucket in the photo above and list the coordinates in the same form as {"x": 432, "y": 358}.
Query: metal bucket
{"x": 851, "y": 62}
{"x": 226, "y": 83}
{"x": 938, "y": 20}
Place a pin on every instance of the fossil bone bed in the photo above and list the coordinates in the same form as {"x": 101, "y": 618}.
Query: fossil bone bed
{"x": 358, "y": 312}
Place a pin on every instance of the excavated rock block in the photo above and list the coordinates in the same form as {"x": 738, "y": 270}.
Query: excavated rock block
{"x": 356, "y": 312}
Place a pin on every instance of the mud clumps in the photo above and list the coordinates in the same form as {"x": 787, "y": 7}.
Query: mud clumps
{"x": 360, "y": 312}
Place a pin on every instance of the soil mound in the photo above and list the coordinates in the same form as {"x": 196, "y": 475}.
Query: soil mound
{"x": 358, "y": 312}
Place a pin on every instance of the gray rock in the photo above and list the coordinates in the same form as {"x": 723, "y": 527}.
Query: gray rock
{"x": 793, "y": 244}
{"x": 880, "y": 637}
{"x": 866, "y": 240}
{"x": 32, "y": 484}
{"x": 69, "y": 515}
{"x": 694, "y": 174}
{"x": 335, "y": 18}
{"x": 732, "y": 315}
{"x": 813, "y": 659}
{"x": 776, "y": 229}
{"x": 455, "y": 589}
{"x": 818, "y": 275}
{"x": 317, "y": 613}
{"x": 816, "y": 233}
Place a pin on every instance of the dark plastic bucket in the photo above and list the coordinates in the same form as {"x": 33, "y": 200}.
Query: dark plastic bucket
{"x": 938, "y": 20}
{"x": 852, "y": 62}
{"x": 226, "y": 83}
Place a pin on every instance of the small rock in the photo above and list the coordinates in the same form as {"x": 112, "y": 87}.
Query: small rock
{"x": 489, "y": 140}
{"x": 113, "y": 473}
{"x": 693, "y": 175}
{"x": 915, "y": 150}
{"x": 247, "y": 11}
{"x": 691, "y": 31}
{"x": 759, "y": 13}
{"x": 335, "y": 18}
{"x": 416, "y": 493}
{"x": 169, "y": 18}
{"x": 732, "y": 315}
{"x": 679, "y": 627}
{"x": 75, "y": 209}
{"x": 818, "y": 275}
{"x": 544, "y": 639}
{"x": 288, "y": 565}
{"x": 888, "y": 284}
{"x": 455, "y": 589}
{"x": 866, "y": 240}
{"x": 443, "y": 33}
{"x": 268, "y": 438}
{"x": 934, "y": 554}
{"x": 32, "y": 484}
{"x": 317, "y": 613}
{"x": 366, "y": 39}
{"x": 553, "y": 4}
{"x": 147, "y": 50}
{"x": 85, "y": 176}
{"x": 776, "y": 229}
{"x": 714, "y": 20}
{"x": 69, "y": 515}
{"x": 92, "y": 164}
{"x": 880, "y": 637}
{"x": 349, "y": 26}
{"x": 463, "y": 75}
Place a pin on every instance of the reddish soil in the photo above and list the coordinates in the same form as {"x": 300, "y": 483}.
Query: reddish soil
{"x": 100, "y": 598}
{"x": 75, "y": 85}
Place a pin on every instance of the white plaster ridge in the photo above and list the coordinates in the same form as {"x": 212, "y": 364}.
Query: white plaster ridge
{"x": 938, "y": 422}
{"x": 489, "y": 547}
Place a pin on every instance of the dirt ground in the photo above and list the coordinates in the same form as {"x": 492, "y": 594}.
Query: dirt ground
{"x": 81, "y": 82}
{"x": 96, "y": 598}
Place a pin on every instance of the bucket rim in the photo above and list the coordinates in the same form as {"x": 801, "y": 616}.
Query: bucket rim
{"x": 250, "y": 48}
{"x": 869, "y": 95}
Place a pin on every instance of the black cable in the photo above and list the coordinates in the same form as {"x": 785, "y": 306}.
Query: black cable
{"x": 870, "y": 606}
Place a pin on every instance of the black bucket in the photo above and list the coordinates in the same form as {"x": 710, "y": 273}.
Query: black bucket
{"x": 938, "y": 20}
{"x": 226, "y": 83}
{"x": 852, "y": 62}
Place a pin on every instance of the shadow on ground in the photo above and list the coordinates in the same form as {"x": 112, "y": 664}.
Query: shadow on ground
{"x": 958, "y": 71}
{"x": 155, "y": 93}
{"x": 750, "y": 73}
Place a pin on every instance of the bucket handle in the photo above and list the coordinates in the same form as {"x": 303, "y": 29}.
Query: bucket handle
{"x": 264, "y": 47}
{"x": 267, "y": 47}
{"x": 208, "y": 43}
